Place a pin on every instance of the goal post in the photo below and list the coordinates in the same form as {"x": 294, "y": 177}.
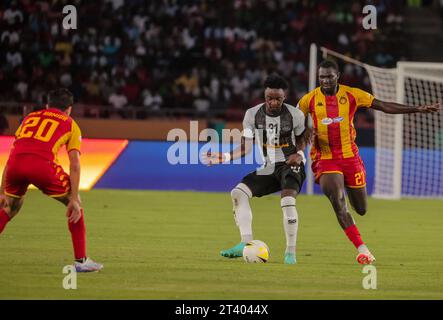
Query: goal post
{"x": 422, "y": 156}
{"x": 408, "y": 148}
{"x": 312, "y": 84}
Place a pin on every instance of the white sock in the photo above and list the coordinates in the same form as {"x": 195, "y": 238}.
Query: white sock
{"x": 242, "y": 211}
{"x": 290, "y": 222}
{"x": 363, "y": 249}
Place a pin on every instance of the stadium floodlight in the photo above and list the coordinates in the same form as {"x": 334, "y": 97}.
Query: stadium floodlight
{"x": 409, "y": 147}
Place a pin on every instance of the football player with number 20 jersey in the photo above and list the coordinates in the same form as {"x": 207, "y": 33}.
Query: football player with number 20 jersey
{"x": 33, "y": 160}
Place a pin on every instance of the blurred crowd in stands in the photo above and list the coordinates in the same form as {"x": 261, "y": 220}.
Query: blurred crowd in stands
{"x": 201, "y": 55}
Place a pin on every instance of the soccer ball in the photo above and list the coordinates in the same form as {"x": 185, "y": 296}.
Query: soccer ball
{"x": 256, "y": 251}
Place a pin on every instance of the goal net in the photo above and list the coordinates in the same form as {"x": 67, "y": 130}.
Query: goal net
{"x": 408, "y": 148}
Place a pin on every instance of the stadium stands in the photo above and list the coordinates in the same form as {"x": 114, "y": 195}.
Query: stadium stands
{"x": 138, "y": 59}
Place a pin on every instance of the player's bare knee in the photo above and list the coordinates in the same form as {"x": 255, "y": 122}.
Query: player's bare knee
{"x": 335, "y": 195}
{"x": 13, "y": 207}
{"x": 12, "y": 213}
{"x": 8, "y": 211}
{"x": 359, "y": 207}
{"x": 338, "y": 202}
{"x": 340, "y": 208}
{"x": 332, "y": 191}
{"x": 361, "y": 210}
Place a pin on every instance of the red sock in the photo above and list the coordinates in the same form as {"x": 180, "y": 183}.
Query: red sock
{"x": 354, "y": 235}
{"x": 4, "y": 219}
{"x": 78, "y": 235}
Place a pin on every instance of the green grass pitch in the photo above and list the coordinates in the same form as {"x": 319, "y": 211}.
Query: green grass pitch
{"x": 165, "y": 245}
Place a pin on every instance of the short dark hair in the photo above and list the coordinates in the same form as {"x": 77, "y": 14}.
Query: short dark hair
{"x": 328, "y": 63}
{"x": 274, "y": 81}
{"x": 60, "y": 98}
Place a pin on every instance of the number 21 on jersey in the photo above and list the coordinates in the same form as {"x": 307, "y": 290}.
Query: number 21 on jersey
{"x": 273, "y": 133}
{"x": 33, "y": 127}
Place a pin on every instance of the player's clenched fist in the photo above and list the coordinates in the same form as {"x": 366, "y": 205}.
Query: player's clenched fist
{"x": 429, "y": 108}
{"x": 294, "y": 160}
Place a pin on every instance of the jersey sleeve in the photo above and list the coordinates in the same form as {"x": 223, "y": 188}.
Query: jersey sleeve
{"x": 299, "y": 122}
{"x": 303, "y": 104}
{"x": 362, "y": 98}
{"x": 248, "y": 125}
{"x": 75, "y": 140}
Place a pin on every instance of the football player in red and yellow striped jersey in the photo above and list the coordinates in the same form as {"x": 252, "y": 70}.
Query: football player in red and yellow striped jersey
{"x": 33, "y": 160}
{"x": 336, "y": 163}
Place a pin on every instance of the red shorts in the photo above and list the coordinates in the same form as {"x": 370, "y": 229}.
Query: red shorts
{"x": 26, "y": 169}
{"x": 352, "y": 169}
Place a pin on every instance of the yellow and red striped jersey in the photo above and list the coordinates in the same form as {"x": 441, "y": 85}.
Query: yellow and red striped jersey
{"x": 44, "y": 132}
{"x": 333, "y": 118}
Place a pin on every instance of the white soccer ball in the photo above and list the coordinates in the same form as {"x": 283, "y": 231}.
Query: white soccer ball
{"x": 256, "y": 251}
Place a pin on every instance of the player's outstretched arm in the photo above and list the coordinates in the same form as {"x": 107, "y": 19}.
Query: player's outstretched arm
{"x": 74, "y": 206}
{"x": 243, "y": 149}
{"x": 396, "y": 108}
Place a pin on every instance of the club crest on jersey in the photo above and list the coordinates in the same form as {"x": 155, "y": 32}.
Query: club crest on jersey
{"x": 343, "y": 100}
{"x": 328, "y": 121}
